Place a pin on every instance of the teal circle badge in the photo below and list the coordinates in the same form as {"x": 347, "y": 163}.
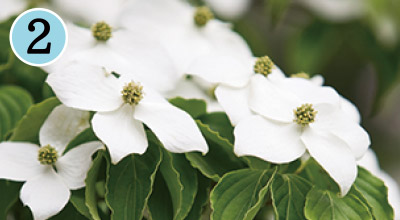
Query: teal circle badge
{"x": 38, "y": 37}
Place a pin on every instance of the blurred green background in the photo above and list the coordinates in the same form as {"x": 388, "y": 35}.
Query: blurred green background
{"x": 354, "y": 44}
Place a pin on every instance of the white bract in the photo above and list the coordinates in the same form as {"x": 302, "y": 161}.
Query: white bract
{"x": 336, "y": 10}
{"x": 122, "y": 106}
{"x": 293, "y": 116}
{"x": 229, "y": 9}
{"x": 48, "y": 171}
{"x": 231, "y": 74}
{"x": 370, "y": 162}
{"x": 119, "y": 50}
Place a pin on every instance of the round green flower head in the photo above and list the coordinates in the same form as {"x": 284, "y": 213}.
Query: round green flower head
{"x": 47, "y": 155}
{"x": 202, "y": 16}
{"x": 132, "y": 93}
{"x": 102, "y": 31}
{"x": 301, "y": 75}
{"x": 305, "y": 114}
{"x": 263, "y": 65}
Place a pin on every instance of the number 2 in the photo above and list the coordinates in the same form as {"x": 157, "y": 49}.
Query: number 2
{"x": 45, "y": 32}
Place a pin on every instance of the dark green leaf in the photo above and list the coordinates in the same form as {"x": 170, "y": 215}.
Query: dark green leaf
{"x": 9, "y": 192}
{"x": 85, "y": 136}
{"x": 160, "y": 202}
{"x": 130, "y": 182}
{"x": 201, "y": 199}
{"x": 219, "y": 160}
{"x": 375, "y": 192}
{"x": 240, "y": 194}
{"x": 288, "y": 192}
{"x": 14, "y": 102}
{"x": 327, "y": 205}
{"x": 194, "y": 107}
{"x": 219, "y": 122}
{"x": 69, "y": 212}
{"x": 28, "y": 127}
{"x": 77, "y": 199}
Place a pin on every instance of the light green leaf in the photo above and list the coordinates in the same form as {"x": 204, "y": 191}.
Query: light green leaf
{"x": 201, "y": 197}
{"x": 219, "y": 160}
{"x": 28, "y": 127}
{"x": 90, "y": 182}
{"x": 9, "y": 192}
{"x": 326, "y": 205}
{"x": 194, "y": 107}
{"x": 14, "y": 102}
{"x": 130, "y": 182}
{"x": 240, "y": 194}
{"x": 181, "y": 180}
{"x": 375, "y": 192}
{"x": 219, "y": 122}
{"x": 288, "y": 192}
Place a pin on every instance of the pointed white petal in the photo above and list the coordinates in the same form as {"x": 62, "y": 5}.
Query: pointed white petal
{"x": 268, "y": 140}
{"x": 234, "y": 101}
{"x": 273, "y": 102}
{"x": 86, "y": 87}
{"x": 121, "y": 133}
{"x": 221, "y": 69}
{"x": 333, "y": 155}
{"x": 62, "y": 125}
{"x": 176, "y": 130}
{"x": 45, "y": 195}
{"x": 350, "y": 110}
{"x": 74, "y": 165}
{"x": 19, "y": 161}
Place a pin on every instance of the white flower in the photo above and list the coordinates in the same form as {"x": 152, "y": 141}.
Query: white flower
{"x": 187, "y": 32}
{"x": 11, "y": 7}
{"x": 122, "y": 106}
{"x": 231, "y": 74}
{"x": 229, "y": 9}
{"x": 294, "y": 116}
{"x": 49, "y": 172}
{"x": 119, "y": 50}
{"x": 336, "y": 10}
{"x": 370, "y": 162}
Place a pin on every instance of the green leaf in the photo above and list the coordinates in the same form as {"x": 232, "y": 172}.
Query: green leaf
{"x": 28, "y": 127}
{"x": 201, "y": 197}
{"x": 69, "y": 212}
{"x": 160, "y": 202}
{"x": 288, "y": 192}
{"x": 9, "y": 192}
{"x": 181, "y": 180}
{"x": 315, "y": 174}
{"x": 14, "y": 102}
{"x": 194, "y": 107}
{"x": 130, "y": 182}
{"x": 90, "y": 182}
{"x": 85, "y": 136}
{"x": 219, "y": 160}
{"x": 240, "y": 194}
{"x": 77, "y": 199}
{"x": 326, "y": 205}
{"x": 256, "y": 163}
{"x": 375, "y": 192}
{"x": 219, "y": 122}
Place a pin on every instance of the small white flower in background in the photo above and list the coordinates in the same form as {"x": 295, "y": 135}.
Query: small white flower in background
{"x": 229, "y": 9}
{"x": 336, "y": 10}
{"x": 294, "y": 116}
{"x": 122, "y": 106}
{"x": 119, "y": 50}
{"x": 187, "y": 32}
{"x": 231, "y": 74}
{"x": 11, "y": 7}
{"x": 370, "y": 162}
{"x": 49, "y": 174}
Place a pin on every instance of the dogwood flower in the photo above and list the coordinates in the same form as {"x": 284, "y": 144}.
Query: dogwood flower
{"x": 293, "y": 116}
{"x": 48, "y": 171}
{"x": 119, "y": 50}
{"x": 231, "y": 76}
{"x": 370, "y": 162}
{"x": 189, "y": 33}
{"x": 122, "y": 106}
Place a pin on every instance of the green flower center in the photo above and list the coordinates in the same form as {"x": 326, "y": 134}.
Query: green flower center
{"x": 132, "y": 93}
{"x": 263, "y": 65}
{"x": 102, "y": 31}
{"x": 202, "y": 16}
{"x": 304, "y": 115}
{"x": 47, "y": 155}
{"x": 301, "y": 75}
